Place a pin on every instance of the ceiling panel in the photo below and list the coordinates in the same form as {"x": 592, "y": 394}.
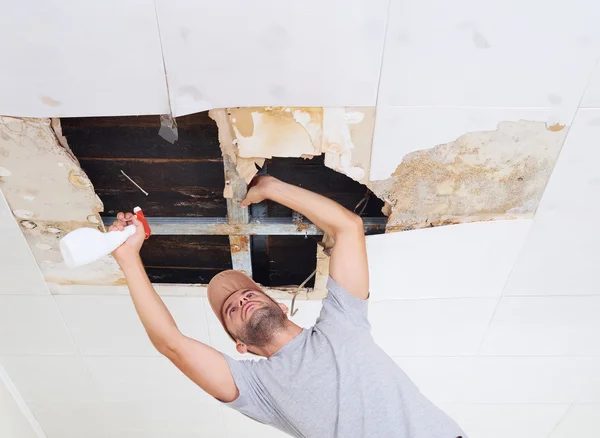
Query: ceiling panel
{"x": 76, "y": 58}
{"x": 500, "y": 53}
{"x": 467, "y": 260}
{"x": 235, "y": 53}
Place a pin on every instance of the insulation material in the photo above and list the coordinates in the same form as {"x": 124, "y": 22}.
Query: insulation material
{"x": 49, "y": 196}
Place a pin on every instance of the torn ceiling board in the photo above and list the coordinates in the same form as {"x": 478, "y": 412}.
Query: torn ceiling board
{"x": 50, "y": 195}
{"x": 457, "y": 261}
{"x": 61, "y": 61}
{"x": 487, "y": 175}
{"x": 505, "y": 54}
{"x": 343, "y": 135}
{"x": 481, "y": 176}
{"x": 271, "y": 53}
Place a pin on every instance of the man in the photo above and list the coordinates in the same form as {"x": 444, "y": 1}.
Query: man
{"x": 331, "y": 380}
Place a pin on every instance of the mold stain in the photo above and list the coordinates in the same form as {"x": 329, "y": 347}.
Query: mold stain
{"x": 480, "y": 176}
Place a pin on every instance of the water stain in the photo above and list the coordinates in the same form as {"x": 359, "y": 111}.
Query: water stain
{"x": 47, "y": 100}
{"x": 480, "y": 41}
{"x": 556, "y": 127}
{"x": 78, "y": 180}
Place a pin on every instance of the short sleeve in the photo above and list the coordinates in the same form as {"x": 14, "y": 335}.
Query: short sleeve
{"x": 342, "y": 306}
{"x": 250, "y": 401}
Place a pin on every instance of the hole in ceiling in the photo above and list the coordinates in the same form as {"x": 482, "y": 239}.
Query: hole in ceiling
{"x": 186, "y": 179}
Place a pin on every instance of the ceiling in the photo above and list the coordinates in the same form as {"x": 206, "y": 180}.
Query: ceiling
{"x": 483, "y": 118}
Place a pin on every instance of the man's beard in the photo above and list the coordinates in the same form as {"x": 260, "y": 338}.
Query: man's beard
{"x": 264, "y": 323}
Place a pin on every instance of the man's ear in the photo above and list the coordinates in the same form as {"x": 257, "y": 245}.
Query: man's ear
{"x": 241, "y": 347}
{"x": 284, "y": 308}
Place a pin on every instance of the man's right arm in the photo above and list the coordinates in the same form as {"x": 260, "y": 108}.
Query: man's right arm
{"x": 204, "y": 365}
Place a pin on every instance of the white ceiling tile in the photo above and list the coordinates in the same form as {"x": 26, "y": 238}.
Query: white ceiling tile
{"x": 132, "y": 379}
{"x": 440, "y": 379}
{"x": 591, "y": 98}
{"x": 50, "y": 378}
{"x": 109, "y": 325}
{"x": 498, "y": 379}
{"x": 590, "y": 393}
{"x": 31, "y": 324}
{"x": 581, "y": 421}
{"x": 503, "y": 53}
{"x": 14, "y": 424}
{"x": 18, "y": 269}
{"x": 545, "y": 326}
{"x": 468, "y": 260}
{"x": 235, "y": 53}
{"x": 575, "y": 181}
{"x": 62, "y": 61}
{"x": 514, "y": 379}
{"x": 507, "y": 420}
{"x": 402, "y": 130}
{"x": 168, "y": 417}
{"x": 437, "y": 327}
{"x": 73, "y": 420}
{"x": 238, "y": 425}
{"x": 560, "y": 256}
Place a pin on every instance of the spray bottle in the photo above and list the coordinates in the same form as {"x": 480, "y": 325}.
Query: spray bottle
{"x": 86, "y": 245}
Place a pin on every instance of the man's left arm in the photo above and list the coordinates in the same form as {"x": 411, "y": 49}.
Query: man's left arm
{"x": 348, "y": 265}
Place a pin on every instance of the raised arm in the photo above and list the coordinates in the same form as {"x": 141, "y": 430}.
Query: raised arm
{"x": 348, "y": 263}
{"x": 201, "y": 363}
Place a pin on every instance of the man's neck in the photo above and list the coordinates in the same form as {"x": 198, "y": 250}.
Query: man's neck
{"x": 280, "y": 339}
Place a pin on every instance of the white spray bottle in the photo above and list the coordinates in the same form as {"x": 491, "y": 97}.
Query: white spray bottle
{"x": 86, "y": 245}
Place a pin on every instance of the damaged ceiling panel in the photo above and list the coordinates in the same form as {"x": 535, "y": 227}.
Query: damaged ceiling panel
{"x": 49, "y": 196}
{"x": 496, "y": 174}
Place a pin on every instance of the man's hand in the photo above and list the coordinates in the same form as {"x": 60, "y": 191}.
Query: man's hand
{"x": 131, "y": 247}
{"x": 258, "y": 190}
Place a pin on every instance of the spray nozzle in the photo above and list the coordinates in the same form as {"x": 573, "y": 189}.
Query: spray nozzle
{"x": 140, "y": 215}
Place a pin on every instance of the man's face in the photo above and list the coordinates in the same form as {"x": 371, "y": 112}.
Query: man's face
{"x": 253, "y": 318}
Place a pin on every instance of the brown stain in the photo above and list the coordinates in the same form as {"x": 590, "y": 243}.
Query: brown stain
{"x": 556, "y": 127}
{"x": 78, "y": 180}
{"x": 481, "y": 176}
{"x": 47, "y": 100}
{"x": 240, "y": 244}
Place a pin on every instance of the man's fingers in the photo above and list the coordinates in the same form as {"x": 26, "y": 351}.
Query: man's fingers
{"x": 128, "y": 216}
{"x": 245, "y": 203}
{"x": 116, "y": 226}
{"x": 121, "y": 216}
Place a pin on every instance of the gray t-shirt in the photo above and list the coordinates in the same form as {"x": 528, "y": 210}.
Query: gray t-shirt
{"x": 332, "y": 380}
